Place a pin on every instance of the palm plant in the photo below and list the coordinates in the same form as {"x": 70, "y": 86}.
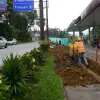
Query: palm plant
{"x": 14, "y": 73}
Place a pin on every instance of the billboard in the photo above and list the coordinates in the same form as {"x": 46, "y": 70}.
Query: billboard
{"x": 3, "y": 5}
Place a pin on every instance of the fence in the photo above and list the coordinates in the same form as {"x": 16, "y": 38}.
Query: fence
{"x": 64, "y": 41}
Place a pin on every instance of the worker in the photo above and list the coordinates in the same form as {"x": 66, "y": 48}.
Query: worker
{"x": 73, "y": 49}
{"x": 57, "y": 42}
{"x": 81, "y": 52}
{"x": 50, "y": 42}
{"x": 98, "y": 43}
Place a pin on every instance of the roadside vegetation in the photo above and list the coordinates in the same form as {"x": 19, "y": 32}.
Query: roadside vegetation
{"x": 17, "y": 24}
{"x": 30, "y": 77}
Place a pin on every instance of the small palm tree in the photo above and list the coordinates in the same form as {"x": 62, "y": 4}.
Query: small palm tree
{"x": 14, "y": 73}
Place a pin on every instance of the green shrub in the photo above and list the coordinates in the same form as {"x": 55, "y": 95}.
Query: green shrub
{"x": 38, "y": 55}
{"x": 44, "y": 45}
{"x": 4, "y": 91}
{"x": 14, "y": 73}
{"x": 28, "y": 61}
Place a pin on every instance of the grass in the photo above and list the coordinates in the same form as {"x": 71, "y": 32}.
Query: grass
{"x": 49, "y": 86}
{"x": 25, "y": 41}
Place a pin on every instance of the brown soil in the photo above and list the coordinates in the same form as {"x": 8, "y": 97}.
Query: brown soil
{"x": 71, "y": 73}
{"x": 62, "y": 58}
{"x": 94, "y": 67}
{"x": 76, "y": 77}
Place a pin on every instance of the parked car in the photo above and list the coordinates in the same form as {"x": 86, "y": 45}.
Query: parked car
{"x": 3, "y": 42}
{"x": 12, "y": 41}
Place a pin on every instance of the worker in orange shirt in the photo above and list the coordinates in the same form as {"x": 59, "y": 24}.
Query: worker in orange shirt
{"x": 81, "y": 52}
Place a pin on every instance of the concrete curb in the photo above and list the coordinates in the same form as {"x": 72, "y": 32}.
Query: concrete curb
{"x": 65, "y": 98}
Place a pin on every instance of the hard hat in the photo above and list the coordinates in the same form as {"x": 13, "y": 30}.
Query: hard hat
{"x": 79, "y": 39}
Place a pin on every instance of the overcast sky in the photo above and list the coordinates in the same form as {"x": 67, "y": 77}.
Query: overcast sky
{"x": 62, "y": 12}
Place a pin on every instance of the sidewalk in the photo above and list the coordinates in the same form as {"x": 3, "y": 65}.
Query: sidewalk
{"x": 91, "y": 92}
{"x": 91, "y": 49}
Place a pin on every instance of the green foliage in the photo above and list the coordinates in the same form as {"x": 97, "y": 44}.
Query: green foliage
{"x": 4, "y": 92}
{"x": 97, "y": 31}
{"x": 14, "y": 73}
{"x": 49, "y": 86}
{"x": 28, "y": 61}
{"x": 56, "y": 32}
{"x": 44, "y": 45}
{"x": 19, "y": 23}
{"x": 38, "y": 55}
{"x": 28, "y": 95}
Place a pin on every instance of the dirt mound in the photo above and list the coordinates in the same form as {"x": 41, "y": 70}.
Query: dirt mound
{"x": 76, "y": 77}
{"x": 62, "y": 58}
{"x": 71, "y": 73}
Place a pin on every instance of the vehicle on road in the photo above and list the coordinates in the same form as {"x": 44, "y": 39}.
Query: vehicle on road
{"x": 3, "y": 42}
{"x": 12, "y": 41}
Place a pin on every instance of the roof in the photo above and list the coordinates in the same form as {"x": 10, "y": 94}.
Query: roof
{"x": 90, "y": 15}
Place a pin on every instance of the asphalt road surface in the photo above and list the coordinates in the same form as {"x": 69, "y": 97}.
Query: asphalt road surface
{"x": 17, "y": 49}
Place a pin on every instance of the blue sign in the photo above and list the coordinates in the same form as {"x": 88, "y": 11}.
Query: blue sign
{"x": 23, "y": 5}
{"x": 23, "y": 1}
{"x": 3, "y": 5}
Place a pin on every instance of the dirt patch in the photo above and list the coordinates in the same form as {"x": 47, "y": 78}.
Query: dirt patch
{"x": 76, "y": 77}
{"x": 62, "y": 58}
{"x": 71, "y": 73}
{"x": 95, "y": 67}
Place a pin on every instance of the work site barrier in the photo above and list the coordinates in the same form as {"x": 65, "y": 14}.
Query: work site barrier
{"x": 64, "y": 41}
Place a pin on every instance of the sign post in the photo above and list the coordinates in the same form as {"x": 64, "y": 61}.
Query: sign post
{"x": 3, "y": 7}
{"x": 23, "y": 5}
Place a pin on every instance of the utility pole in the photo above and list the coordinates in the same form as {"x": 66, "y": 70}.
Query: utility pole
{"x": 41, "y": 20}
{"x": 47, "y": 20}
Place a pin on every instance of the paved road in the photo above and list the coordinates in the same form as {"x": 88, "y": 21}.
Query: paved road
{"x": 20, "y": 49}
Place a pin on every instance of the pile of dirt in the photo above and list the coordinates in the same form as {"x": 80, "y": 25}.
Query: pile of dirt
{"x": 76, "y": 77}
{"x": 71, "y": 73}
{"x": 62, "y": 58}
{"x": 95, "y": 67}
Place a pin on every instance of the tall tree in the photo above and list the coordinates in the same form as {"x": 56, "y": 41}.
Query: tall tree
{"x": 17, "y": 22}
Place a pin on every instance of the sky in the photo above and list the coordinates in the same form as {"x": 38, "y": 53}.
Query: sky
{"x": 62, "y": 12}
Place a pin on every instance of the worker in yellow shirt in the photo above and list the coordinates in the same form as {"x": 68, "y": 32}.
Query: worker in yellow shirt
{"x": 81, "y": 52}
{"x": 73, "y": 50}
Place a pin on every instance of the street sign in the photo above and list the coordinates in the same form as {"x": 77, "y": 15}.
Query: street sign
{"x": 23, "y": 1}
{"x": 3, "y": 5}
{"x": 23, "y": 5}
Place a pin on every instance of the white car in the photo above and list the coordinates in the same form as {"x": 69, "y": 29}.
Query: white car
{"x": 3, "y": 42}
{"x": 12, "y": 41}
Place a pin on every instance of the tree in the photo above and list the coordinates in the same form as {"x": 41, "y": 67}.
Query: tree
{"x": 56, "y": 32}
{"x": 17, "y": 22}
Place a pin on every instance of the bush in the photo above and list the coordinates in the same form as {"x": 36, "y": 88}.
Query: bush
{"x": 38, "y": 55}
{"x": 28, "y": 61}
{"x": 4, "y": 91}
{"x": 14, "y": 74}
{"x": 44, "y": 45}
